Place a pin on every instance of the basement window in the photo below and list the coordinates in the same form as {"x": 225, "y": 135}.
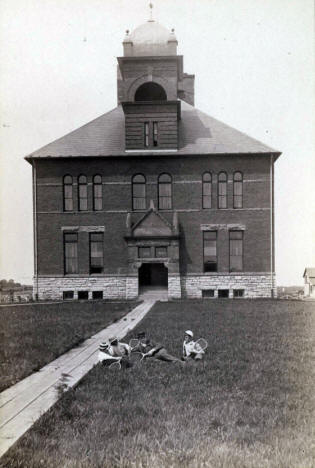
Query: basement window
{"x": 206, "y": 293}
{"x": 97, "y": 294}
{"x": 68, "y": 295}
{"x": 238, "y": 292}
{"x": 223, "y": 293}
{"x": 83, "y": 295}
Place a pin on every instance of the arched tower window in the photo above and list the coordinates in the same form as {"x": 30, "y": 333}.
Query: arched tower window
{"x": 206, "y": 190}
{"x": 150, "y": 92}
{"x": 67, "y": 193}
{"x": 222, "y": 190}
{"x": 238, "y": 190}
{"x": 82, "y": 192}
{"x": 97, "y": 193}
{"x": 165, "y": 192}
{"x": 138, "y": 192}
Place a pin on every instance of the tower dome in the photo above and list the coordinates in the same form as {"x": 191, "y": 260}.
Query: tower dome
{"x": 150, "y": 38}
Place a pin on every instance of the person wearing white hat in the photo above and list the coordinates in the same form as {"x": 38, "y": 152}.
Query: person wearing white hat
{"x": 104, "y": 355}
{"x": 189, "y": 350}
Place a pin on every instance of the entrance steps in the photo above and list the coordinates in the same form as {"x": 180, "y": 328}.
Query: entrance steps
{"x": 155, "y": 293}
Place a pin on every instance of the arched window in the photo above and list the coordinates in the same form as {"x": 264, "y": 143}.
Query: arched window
{"x": 238, "y": 190}
{"x": 150, "y": 92}
{"x": 67, "y": 193}
{"x": 222, "y": 190}
{"x": 165, "y": 192}
{"x": 138, "y": 192}
{"x": 97, "y": 193}
{"x": 206, "y": 190}
{"x": 82, "y": 192}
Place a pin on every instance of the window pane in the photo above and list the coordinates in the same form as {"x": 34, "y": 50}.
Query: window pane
{"x": 69, "y": 237}
{"x": 68, "y": 204}
{"x": 207, "y": 188}
{"x": 211, "y": 235}
{"x": 165, "y": 190}
{"x": 98, "y": 204}
{"x": 222, "y": 202}
{"x": 139, "y": 178}
{"x": 207, "y": 201}
{"x": 236, "y": 234}
{"x": 236, "y": 263}
{"x": 98, "y": 191}
{"x": 165, "y": 178}
{"x": 222, "y": 188}
{"x": 222, "y": 176}
{"x": 83, "y": 204}
{"x": 161, "y": 252}
{"x": 139, "y": 190}
{"x": 96, "y": 236}
{"x": 67, "y": 179}
{"x": 165, "y": 203}
{"x": 83, "y": 191}
{"x": 139, "y": 203}
{"x": 68, "y": 191}
{"x": 144, "y": 252}
{"x": 238, "y": 176}
{"x": 236, "y": 247}
{"x": 82, "y": 179}
{"x": 206, "y": 177}
{"x": 97, "y": 179}
{"x": 238, "y": 188}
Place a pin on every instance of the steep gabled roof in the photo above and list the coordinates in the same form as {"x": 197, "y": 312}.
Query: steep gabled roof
{"x": 199, "y": 134}
{"x": 310, "y": 272}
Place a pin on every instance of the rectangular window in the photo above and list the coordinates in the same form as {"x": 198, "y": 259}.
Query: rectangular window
{"x": 70, "y": 253}
{"x": 98, "y": 196}
{"x": 236, "y": 251}
{"x": 208, "y": 293}
{"x": 146, "y": 134}
{"x": 206, "y": 196}
{"x": 161, "y": 252}
{"x": 238, "y": 292}
{"x": 209, "y": 251}
{"x": 96, "y": 252}
{"x": 223, "y": 293}
{"x": 67, "y": 295}
{"x": 82, "y": 197}
{"x": 68, "y": 199}
{"x": 83, "y": 295}
{"x": 144, "y": 252}
{"x": 138, "y": 192}
{"x": 165, "y": 196}
{"x": 155, "y": 133}
{"x": 97, "y": 294}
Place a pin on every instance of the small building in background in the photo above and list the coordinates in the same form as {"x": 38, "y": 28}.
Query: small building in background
{"x": 309, "y": 282}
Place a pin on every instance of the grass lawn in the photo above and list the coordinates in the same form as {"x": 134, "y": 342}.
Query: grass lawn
{"x": 250, "y": 404}
{"x": 33, "y": 335}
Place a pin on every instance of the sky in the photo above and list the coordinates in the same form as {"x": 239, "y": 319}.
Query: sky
{"x": 254, "y": 67}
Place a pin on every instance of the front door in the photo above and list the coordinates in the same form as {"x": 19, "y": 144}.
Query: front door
{"x": 153, "y": 274}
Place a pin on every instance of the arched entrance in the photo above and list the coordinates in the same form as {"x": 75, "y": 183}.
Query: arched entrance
{"x": 153, "y": 275}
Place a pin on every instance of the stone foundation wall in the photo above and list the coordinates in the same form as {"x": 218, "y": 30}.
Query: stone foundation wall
{"x": 113, "y": 287}
{"x": 253, "y": 285}
{"x": 174, "y": 287}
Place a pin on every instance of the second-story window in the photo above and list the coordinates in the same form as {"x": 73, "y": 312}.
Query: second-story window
{"x": 97, "y": 193}
{"x": 155, "y": 134}
{"x": 206, "y": 190}
{"x": 67, "y": 193}
{"x": 138, "y": 192}
{"x": 146, "y": 134}
{"x": 165, "y": 192}
{"x": 238, "y": 190}
{"x": 82, "y": 193}
{"x": 222, "y": 190}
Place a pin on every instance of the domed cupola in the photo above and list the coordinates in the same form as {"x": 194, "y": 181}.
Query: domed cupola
{"x": 150, "y": 38}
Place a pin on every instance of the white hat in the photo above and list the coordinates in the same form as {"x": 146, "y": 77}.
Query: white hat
{"x": 189, "y": 333}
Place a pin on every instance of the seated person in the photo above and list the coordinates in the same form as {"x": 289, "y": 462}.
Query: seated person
{"x": 104, "y": 356}
{"x": 156, "y": 350}
{"x": 190, "y": 348}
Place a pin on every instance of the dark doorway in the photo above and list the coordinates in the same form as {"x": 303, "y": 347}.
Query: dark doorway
{"x": 150, "y": 92}
{"x": 153, "y": 274}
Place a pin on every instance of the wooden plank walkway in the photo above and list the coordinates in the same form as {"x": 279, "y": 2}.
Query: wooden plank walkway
{"x": 22, "y": 404}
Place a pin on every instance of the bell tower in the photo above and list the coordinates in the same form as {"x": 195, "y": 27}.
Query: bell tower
{"x": 150, "y": 85}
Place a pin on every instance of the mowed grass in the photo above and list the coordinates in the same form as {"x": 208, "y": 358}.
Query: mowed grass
{"x": 250, "y": 404}
{"x": 33, "y": 335}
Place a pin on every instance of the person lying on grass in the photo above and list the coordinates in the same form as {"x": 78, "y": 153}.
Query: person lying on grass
{"x": 112, "y": 352}
{"x": 191, "y": 350}
{"x": 104, "y": 356}
{"x": 151, "y": 349}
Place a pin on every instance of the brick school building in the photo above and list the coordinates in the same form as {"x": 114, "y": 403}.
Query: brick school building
{"x": 154, "y": 193}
